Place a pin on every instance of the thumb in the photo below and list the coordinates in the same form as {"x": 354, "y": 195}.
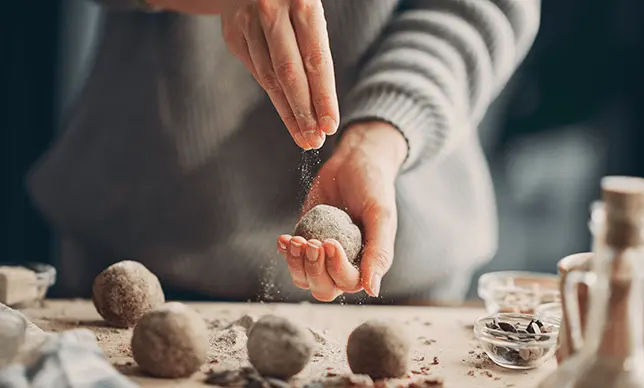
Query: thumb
{"x": 380, "y": 224}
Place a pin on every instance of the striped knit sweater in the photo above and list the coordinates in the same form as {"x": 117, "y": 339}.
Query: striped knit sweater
{"x": 174, "y": 156}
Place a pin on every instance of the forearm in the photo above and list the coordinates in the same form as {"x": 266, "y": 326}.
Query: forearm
{"x": 439, "y": 65}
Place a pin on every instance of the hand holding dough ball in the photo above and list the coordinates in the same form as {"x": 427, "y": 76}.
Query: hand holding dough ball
{"x": 325, "y": 222}
{"x": 279, "y": 348}
{"x": 125, "y": 291}
{"x": 170, "y": 341}
{"x": 378, "y": 349}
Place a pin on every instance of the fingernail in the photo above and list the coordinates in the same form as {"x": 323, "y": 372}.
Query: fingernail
{"x": 312, "y": 253}
{"x": 375, "y": 284}
{"x": 299, "y": 139}
{"x": 296, "y": 249}
{"x": 282, "y": 245}
{"x": 328, "y": 125}
{"x": 314, "y": 139}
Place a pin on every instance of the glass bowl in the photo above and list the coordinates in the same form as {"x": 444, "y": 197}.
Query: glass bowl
{"x": 550, "y": 310}
{"x": 517, "y": 291}
{"x": 517, "y": 341}
{"x": 44, "y": 279}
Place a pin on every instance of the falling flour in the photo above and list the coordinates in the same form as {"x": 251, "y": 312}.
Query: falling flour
{"x": 308, "y": 168}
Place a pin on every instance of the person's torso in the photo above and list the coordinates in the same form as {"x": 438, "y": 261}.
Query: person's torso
{"x": 174, "y": 156}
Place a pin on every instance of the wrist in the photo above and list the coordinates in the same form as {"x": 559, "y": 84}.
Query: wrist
{"x": 379, "y": 138}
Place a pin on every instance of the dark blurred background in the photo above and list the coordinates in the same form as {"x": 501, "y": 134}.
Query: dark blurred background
{"x": 573, "y": 112}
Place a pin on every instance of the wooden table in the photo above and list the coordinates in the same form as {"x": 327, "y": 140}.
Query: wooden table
{"x": 443, "y": 341}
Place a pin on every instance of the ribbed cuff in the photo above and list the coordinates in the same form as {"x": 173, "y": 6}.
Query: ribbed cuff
{"x": 127, "y": 5}
{"x": 418, "y": 122}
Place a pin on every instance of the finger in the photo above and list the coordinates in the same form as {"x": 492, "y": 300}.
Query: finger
{"x": 322, "y": 286}
{"x": 283, "y": 243}
{"x": 313, "y": 41}
{"x": 344, "y": 275}
{"x": 379, "y": 224}
{"x": 287, "y": 64}
{"x": 260, "y": 57}
{"x": 295, "y": 260}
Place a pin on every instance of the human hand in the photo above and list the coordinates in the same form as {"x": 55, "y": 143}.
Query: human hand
{"x": 285, "y": 45}
{"x": 359, "y": 178}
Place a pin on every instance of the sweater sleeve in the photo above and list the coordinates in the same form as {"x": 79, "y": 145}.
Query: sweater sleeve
{"x": 123, "y": 5}
{"x": 438, "y": 66}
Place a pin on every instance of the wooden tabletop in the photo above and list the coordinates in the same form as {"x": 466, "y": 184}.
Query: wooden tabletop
{"x": 443, "y": 341}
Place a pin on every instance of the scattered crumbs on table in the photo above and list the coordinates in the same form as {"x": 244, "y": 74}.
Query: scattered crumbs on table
{"x": 125, "y": 349}
{"x": 435, "y": 361}
{"x": 426, "y": 341}
{"x": 471, "y": 373}
{"x": 417, "y": 382}
{"x": 425, "y": 371}
{"x": 487, "y": 373}
{"x": 418, "y": 358}
{"x": 244, "y": 377}
{"x": 479, "y": 360}
{"x": 341, "y": 381}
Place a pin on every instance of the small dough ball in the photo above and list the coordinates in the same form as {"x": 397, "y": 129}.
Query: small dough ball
{"x": 170, "y": 341}
{"x": 125, "y": 291}
{"x": 324, "y": 222}
{"x": 278, "y": 347}
{"x": 379, "y": 349}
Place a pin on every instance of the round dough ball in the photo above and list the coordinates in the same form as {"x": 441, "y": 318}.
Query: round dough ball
{"x": 125, "y": 291}
{"x": 170, "y": 341}
{"x": 379, "y": 349}
{"x": 324, "y": 222}
{"x": 279, "y": 348}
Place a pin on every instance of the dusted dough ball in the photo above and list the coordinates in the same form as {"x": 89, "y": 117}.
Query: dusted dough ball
{"x": 324, "y": 222}
{"x": 170, "y": 341}
{"x": 279, "y": 348}
{"x": 125, "y": 291}
{"x": 378, "y": 349}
